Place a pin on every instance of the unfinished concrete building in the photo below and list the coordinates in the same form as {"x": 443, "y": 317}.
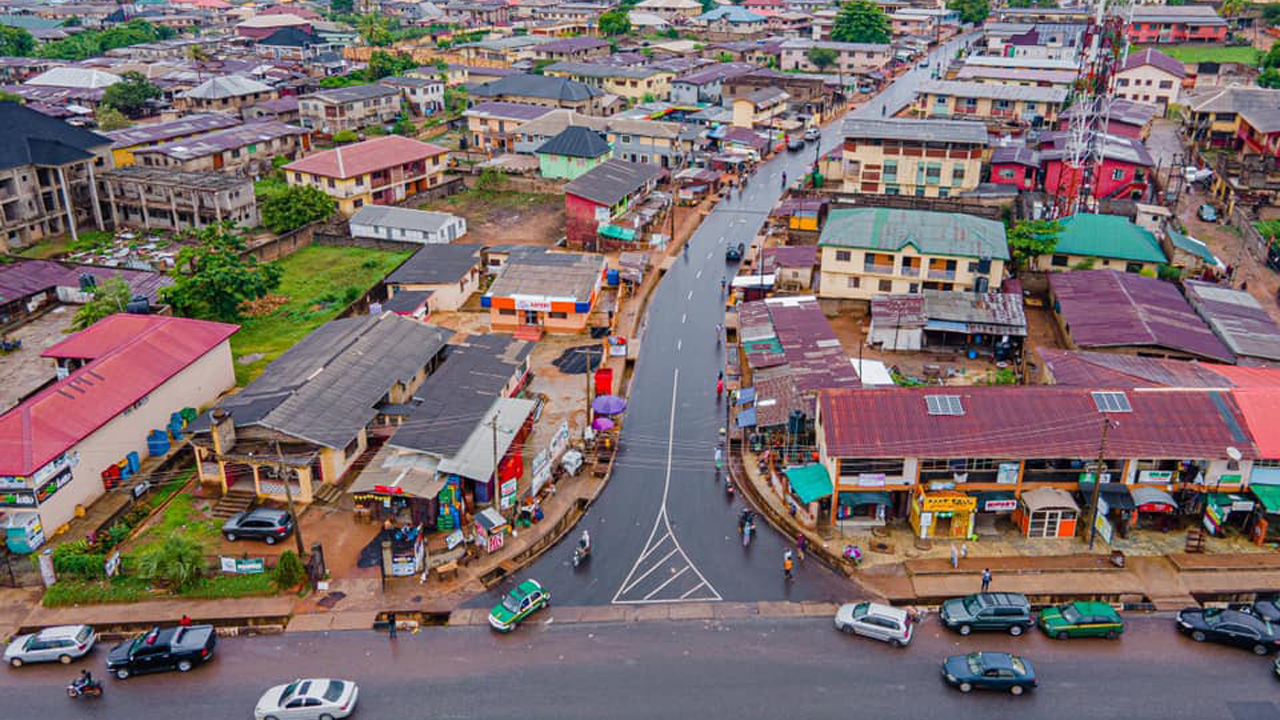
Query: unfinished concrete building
{"x": 160, "y": 198}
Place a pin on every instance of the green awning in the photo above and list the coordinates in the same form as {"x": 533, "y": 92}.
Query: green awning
{"x": 619, "y": 233}
{"x": 810, "y": 482}
{"x": 1268, "y": 495}
{"x": 865, "y": 497}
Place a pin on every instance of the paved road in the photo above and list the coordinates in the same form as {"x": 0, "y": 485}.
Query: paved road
{"x": 741, "y": 670}
{"x": 903, "y": 91}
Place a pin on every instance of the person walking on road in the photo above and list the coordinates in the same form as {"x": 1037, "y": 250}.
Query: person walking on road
{"x": 801, "y": 543}
{"x": 986, "y": 579}
{"x": 391, "y": 622}
{"x": 786, "y": 566}
{"x": 955, "y": 557}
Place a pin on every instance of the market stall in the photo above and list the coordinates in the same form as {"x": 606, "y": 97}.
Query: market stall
{"x": 1047, "y": 513}
{"x": 991, "y": 506}
{"x": 943, "y": 514}
{"x": 1226, "y": 511}
{"x": 1266, "y": 515}
{"x": 1115, "y": 502}
{"x": 861, "y": 509}
{"x": 491, "y": 530}
{"x": 809, "y": 485}
{"x": 1155, "y": 508}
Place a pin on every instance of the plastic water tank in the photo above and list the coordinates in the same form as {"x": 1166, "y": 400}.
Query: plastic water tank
{"x": 158, "y": 443}
{"x": 613, "y": 276}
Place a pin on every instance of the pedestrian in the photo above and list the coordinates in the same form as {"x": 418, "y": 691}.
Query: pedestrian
{"x": 986, "y": 579}
{"x": 391, "y": 621}
{"x": 801, "y": 543}
{"x": 955, "y": 557}
{"x": 185, "y": 621}
{"x": 964, "y": 550}
{"x": 786, "y": 566}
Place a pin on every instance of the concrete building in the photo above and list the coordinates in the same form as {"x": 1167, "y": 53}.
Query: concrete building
{"x": 1014, "y": 105}
{"x": 704, "y": 86}
{"x": 925, "y": 158}
{"x": 850, "y": 57}
{"x": 382, "y": 222}
{"x": 552, "y": 92}
{"x": 671, "y": 9}
{"x": 637, "y": 84}
{"x": 243, "y": 150}
{"x": 572, "y": 49}
{"x": 572, "y": 153}
{"x": 354, "y": 108}
{"x": 1150, "y": 76}
{"x": 119, "y": 380}
{"x": 226, "y": 94}
{"x": 175, "y": 199}
{"x": 603, "y": 195}
{"x": 1113, "y": 242}
{"x": 1160, "y": 24}
{"x": 491, "y": 126}
{"x": 381, "y": 171}
{"x": 446, "y": 274}
{"x": 423, "y": 96}
{"x": 545, "y": 292}
{"x": 125, "y": 142}
{"x": 871, "y": 251}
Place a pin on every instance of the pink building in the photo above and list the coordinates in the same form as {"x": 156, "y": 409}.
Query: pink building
{"x": 1176, "y": 24}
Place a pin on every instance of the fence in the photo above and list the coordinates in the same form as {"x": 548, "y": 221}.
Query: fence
{"x": 1250, "y": 239}
{"x": 343, "y": 240}
{"x": 282, "y": 245}
{"x": 911, "y": 202}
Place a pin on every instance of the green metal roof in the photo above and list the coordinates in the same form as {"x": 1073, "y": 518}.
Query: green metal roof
{"x": 864, "y": 497}
{"x": 810, "y": 482}
{"x": 1193, "y": 246}
{"x": 1268, "y": 495}
{"x": 1107, "y": 236}
{"x": 930, "y": 233}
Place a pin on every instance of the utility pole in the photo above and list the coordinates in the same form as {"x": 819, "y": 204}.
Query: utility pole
{"x": 497, "y": 477}
{"x": 288, "y": 494}
{"x": 1097, "y": 481}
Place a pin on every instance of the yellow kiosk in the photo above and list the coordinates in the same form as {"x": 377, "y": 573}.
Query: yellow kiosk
{"x": 943, "y": 514}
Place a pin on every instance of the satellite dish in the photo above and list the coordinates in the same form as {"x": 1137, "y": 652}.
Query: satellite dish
{"x": 1234, "y": 454}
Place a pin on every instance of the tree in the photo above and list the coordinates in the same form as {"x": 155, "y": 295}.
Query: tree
{"x": 1269, "y": 78}
{"x": 110, "y": 119}
{"x": 822, "y": 58}
{"x": 1232, "y": 8}
{"x": 614, "y": 22}
{"x": 971, "y": 11}
{"x": 109, "y": 298}
{"x": 289, "y": 570}
{"x": 1271, "y": 58}
{"x": 386, "y": 64}
{"x": 404, "y": 126}
{"x": 1029, "y": 239}
{"x": 342, "y": 6}
{"x": 374, "y": 30}
{"x": 211, "y": 279}
{"x": 343, "y": 137}
{"x": 861, "y": 22}
{"x": 177, "y": 562}
{"x": 455, "y": 99}
{"x": 16, "y": 42}
{"x": 131, "y": 94}
{"x": 708, "y": 6}
{"x": 294, "y": 207}
{"x": 1271, "y": 14}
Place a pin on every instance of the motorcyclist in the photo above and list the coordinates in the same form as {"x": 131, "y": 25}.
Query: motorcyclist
{"x": 784, "y": 179}
{"x": 719, "y": 388}
{"x": 584, "y": 542}
{"x": 85, "y": 680}
{"x": 719, "y": 458}
{"x": 723, "y": 282}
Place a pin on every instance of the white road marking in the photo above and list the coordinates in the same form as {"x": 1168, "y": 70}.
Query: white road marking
{"x": 658, "y": 589}
{"x": 683, "y": 317}
{"x": 695, "y": 277}
{"x": 656, "y": 565}
{"x": 679, "y": 344}
{"x": 690, "y": 296}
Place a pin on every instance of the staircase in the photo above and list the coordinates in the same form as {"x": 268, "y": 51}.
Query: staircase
{"x": 234, "y": 501}
{"x": 532, "y": 333}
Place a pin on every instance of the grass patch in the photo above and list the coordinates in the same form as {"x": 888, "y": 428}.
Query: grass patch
{"x": 48, "y": 248}
{"x": 479, "y": 203}
{"x": 1210, "y": 53}
{"x": 319, "y": 281}
{"x": 78, "y": 592}
{"x": 231, "y": 586}
{"x": 268, "y": 186}
{"x": 180, "y": 516}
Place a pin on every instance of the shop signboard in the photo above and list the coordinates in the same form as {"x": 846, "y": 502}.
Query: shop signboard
{"x": 17, "y": 498}
{"x": 495, "y": 541}
{"x": 871, "y": 480}
{"x": 243, "y": 566}
{"x": 56, "y": 483}
{"x": 540, "y": 470}
{"x": 926, "y": 519}
{"x": 1233, "y": 479}
{"x": 508, "y": 496}
{"x": 1242, "y": 506}
{"x": 1212, "y": 518}
{"x": 1104, "y": 527}
{"x": 53, "y": 467}
{"x": 1008, "y": 473}
{"x": 524, "y": 302}
{"x": 13, "y": 482}
{"x": 1155, "y": 476}
{"x": 453, "y": 539}
{"x": 1000, "y": 506}
{"x": 112, "y": 565}
{"x": 937, "y": 485}
{"x": 949, "y": 503}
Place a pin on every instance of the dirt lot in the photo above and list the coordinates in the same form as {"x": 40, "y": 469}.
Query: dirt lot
{"x": 1222, "y": 239}
{"x": 24, "y": 371}
{"x": 506, "y": 217}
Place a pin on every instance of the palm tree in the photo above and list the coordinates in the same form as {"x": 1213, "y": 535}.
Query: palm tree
{"x": 198, "y": 55}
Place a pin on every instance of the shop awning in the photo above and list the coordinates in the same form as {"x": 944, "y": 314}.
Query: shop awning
{"x": 619, "y": 233}
{"x": 865, "y": 497}
{"x": 1048, "y": 499}
{"x": 1268, "y": 495}
{"x": 746, "y": 418}
{"x": 810, "y": 482}
{"x": 1116, "y": 495}
{"x": 1144, "y": 496}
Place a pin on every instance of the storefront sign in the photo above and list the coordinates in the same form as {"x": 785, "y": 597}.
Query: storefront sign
{"x": 453, "y": 539}
{"x": 540, "y": 470}
{"x": 1212, "y": 518}
{"x": 1008, "y": 473}
{"x": 55, "y": 484}
{"x": 508, "y": 496}
{"x": 63, "y": 461}
{"x": 1229, "y": 479}
{"x": 950, "y": 503}
{"x": 1155, "y": 476}
{"x": 871, "y": 480}
{"x": 13, "y": 482}
{"x": 243, "y": 566}
{"x": 926, "y": 519}
{"x": 495, "y": 542}
{"x": 941, "y": 485}
{"x": 1104, "y": 527}
{"x": 529, "y": 303}
{"x": 18, "y": 498}
{"x": 1242, "y": 506}
{"x": 1000, "y": 506}
{"x": 112, "y": 565}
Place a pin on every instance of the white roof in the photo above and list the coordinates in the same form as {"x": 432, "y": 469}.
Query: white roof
{"x": 225, "y": 87}
{"x": 398, "y": 217}
{"x": 270, "y": 21}
{"x": 670, "y": 5}
{"x": 872, "y": 372}
{"x": 475, "y": 459}
{"x": 74, "y": 77}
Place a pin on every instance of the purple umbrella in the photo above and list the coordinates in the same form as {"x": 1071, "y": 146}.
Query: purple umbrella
{"x": 601, "y": 424}
{"x": 608, "y": 405}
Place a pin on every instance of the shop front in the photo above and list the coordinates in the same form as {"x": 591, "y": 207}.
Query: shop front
{"x": 1224, "y": 512}
{"x": 1115, "y": 502}
{"x": 1156, "y": 509}
{"x": 943, "y": 514}
{"x": 862, "y": 509}
{"x": 809, "y": 486}
{"x": 1047, "y": 513}
{"x": 992, "y": 505}
{"x": 1266, "y": 515}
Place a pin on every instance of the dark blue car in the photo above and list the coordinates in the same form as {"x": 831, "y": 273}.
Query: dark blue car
{"x": 989, "y": 671}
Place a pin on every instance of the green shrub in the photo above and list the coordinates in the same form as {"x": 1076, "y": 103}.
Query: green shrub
{"x": 78, "y": 592}
{"x": 231, "y": 586}
{"x": 75, "y": 559}
{"x": 177, "y": 562}
{"x": 289, "y": 569}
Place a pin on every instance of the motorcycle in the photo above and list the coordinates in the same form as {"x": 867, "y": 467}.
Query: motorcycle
{"x": 91, "y": 689}
{"x": 747, "y": 531}
{"x": 580, "y": 554}
{"x": 728, "y": 487}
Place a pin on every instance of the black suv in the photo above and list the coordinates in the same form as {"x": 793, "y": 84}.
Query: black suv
{"x": 263, "y": 524}
{"x": 988, "y": 611}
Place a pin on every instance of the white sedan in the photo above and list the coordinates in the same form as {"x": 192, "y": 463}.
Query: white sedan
{"x": 310, "y": 699}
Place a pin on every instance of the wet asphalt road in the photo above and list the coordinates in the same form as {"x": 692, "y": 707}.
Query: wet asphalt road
{"x": 738, "y": 670}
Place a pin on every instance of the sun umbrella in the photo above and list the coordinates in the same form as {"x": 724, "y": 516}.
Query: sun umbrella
{"x": 608, "y": 405}
{"x": 602, "y": 424}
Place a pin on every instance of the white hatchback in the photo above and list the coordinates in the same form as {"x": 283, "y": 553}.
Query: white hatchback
{"x": 310, "y": 699}
{"x": 884, "y": 623}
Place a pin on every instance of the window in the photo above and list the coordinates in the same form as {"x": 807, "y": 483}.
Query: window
{"x": 506, "y": 311}
{"x": 1166, "y": 84}
{"x": 891, "y": 171}
{"x": 1060, "y": 261}
{"x": 854, "y": 282}
{"x": 891, "y": 190}
{"x": 1122, "y": 82}
{"x": 913, "y": 288}
{"x": 957, "y": 174}
{"x": 1006, "y": 174}
{"x": 886, "y": 286}
{"x": 843, "y": 256}
{"x": 559, "y": 315}
{"x": 332, "y": 184}
{"x": 351, "y": 448}
{"x": 944, "y": 192}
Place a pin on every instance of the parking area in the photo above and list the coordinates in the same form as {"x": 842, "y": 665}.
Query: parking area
{"x": 23, "y": 370}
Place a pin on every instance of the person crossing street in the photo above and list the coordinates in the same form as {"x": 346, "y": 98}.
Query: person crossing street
{"x": 787, "y": 565}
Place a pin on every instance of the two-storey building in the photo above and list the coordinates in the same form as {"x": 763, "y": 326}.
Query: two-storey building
{"x": 329, "y": 112}
{"x": 925, "y": 158}
{"x": 226, "y": 94}
{"x": 992, "y": 103}
{"x": 381, "y": 171}
{"x": 637, "y": 84}
{"x": 244, "y": 150}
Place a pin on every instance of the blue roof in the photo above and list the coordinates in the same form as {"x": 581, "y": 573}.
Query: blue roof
{"x": 731, "y": 13}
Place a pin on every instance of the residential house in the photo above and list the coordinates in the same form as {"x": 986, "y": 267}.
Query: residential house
{"x": 292, "y": 43}
{"x": 423, "y": 96}
{"x": 492, "y": 126}
{"x": 353, "y": 108}
{"x": 501, "y": 52}
{"x": 925, "y": 158}
{"x": 479, "y": 14}
{"x": 74, "y": 77}
{"x": 1161, "y": 24}
{"x": 572, "y": 153}
{"x": 598, "y": 199}
{"x": 447, "y": 273}
{"x": 18, "y": 69}
{"x": 1123, "y": 312}
{"x": 650, "y": 141}
{"x": 1238, "y": 319}
{"x": 703, "y": 86}
{"x": 380, "y": 171}
{"x": 636, "y": 84}
{"x": 996, "y": 104}
{"x": 992, "y": 323}
{"x": 808, "y": 95}
{"x": 263, "y": 26}
{"x": 118, "y": 381}
{"x": 529, "y": 136}
{"x": 1125, "y": 118}
{"x": 1034, "y": 40}
{"x": 150, "y": 197}
{"x": 1016, "y": 165}
{"x": 47, "y": 176}
{"x": 243, "y": 150}
{"x": 577, "y": 49}
{"x": 545, "y": 292}
{"x": 1125, "y": 172}
{"x": 309, "y": 416}
{"x": 865, "y": 252}
{"x": 1060, "y": 79}
{"x": 850, "y": 57}
{"x": 1238, "y": 118}
{"x": 381, "y": 222}
{"x": 1087, "y": 240}
{"x": 762, "y": 108}
{"x": 671, "y": 9}
{"x": 731, "y": 22}
{"x": 542, "y": 90}
{"x": 1150, "y": 76}
{"x": 793, "y": 267}
{"x": 283, "y": 110}
{"x": 125, "y": 142}
{"x": 228, "y": 94}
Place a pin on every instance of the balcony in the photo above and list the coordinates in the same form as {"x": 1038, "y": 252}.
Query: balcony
{"x": 942, "y": 274}
{"x": 877, "y": 269}
{"x": 911, "y": 270}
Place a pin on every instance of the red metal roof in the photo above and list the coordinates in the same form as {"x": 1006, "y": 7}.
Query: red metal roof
{"x": 355, "y": 160}
{"x": 134, "y": 355}
{"x": 1030, "y": 422}
{"x": 1261, "y": 408}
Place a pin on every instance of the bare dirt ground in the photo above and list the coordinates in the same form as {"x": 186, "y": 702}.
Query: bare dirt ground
{"x": 506, "y": 218}
{"x": 24, "y": 370}
{"x": 1249, "y": 269}
{"x": 956, "y": 368}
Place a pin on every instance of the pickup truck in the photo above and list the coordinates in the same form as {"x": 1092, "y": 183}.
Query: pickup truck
{"x": 176, "y": 648}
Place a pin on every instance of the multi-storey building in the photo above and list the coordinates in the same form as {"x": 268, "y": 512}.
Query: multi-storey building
{"x": 1150, "y": 76}
{"x": 244, "y": 150}
{"x": 850, "y": 57}
{"x": 925, "y": 158}
{"x": 125, "y": 142}
{"x": 998, "y": 104}
{"x": 224, "y": 94}
{"x": 422, "y": 95}
{"x": 638, "y": 84}
{"x": 381, "y": 171}
{"x": 329, "y": 112}
{"x": 175, "y": 199}
{"x": 1176, "y": 24}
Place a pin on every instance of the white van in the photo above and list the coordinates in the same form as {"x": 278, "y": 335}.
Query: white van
{"x": 884, "y": 623}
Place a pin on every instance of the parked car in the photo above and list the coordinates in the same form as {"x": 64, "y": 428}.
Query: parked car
{"x": 520, "y": 603}
{"x": 873, "y": 620}
{"x": 1081, "y": 619}
{"x": 988, "y": 611}
{"x": 1194, "y": 174}
{"x": 310, "y": 699}
{"x": 795, "y": 143}
{"x": 159, "y": 649}
{"x": 812, "y": 134}
{"x": 64, "y": 643}
{"x": 734, "y": 252}
{"x": 1207, "y": 213}
{"x": 989, "y": 671}
{"x": 1229, "y": 627}
{"x": 270, "y": 526}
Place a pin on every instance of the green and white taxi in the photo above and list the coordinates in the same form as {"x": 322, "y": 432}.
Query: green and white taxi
{"x": 520, "y": 603}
